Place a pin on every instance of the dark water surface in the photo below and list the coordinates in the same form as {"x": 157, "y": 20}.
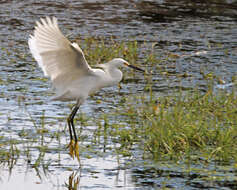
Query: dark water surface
{"x": 203, "y": 38}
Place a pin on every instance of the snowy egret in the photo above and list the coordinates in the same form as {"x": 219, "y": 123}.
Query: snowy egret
{"x": 65, "y": 64}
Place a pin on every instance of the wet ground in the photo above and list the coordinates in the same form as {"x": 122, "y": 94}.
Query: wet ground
{"x": 192, "y": 38}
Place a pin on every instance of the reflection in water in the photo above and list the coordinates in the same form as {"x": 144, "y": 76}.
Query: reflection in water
{"x": 73, "y": 181}
{"x": 96, "y": 173}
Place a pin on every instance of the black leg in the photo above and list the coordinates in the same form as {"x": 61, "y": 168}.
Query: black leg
{"x": 71, "y": 124}
{"x": 70, "y": 128}
{"x": 73, "y": 145}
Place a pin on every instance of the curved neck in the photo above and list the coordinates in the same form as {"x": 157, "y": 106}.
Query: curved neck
{"x": 113, "y": 76}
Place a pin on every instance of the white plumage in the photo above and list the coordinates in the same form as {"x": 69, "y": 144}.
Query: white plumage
{"x": 65, "y": 64}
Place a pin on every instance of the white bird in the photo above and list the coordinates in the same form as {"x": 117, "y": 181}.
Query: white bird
{"x": 65, "y": 64}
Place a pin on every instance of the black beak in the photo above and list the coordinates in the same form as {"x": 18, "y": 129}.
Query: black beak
{"x": 136, "y": 68}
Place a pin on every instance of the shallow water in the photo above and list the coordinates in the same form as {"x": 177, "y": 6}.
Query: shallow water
{"x": 204, "y": 42}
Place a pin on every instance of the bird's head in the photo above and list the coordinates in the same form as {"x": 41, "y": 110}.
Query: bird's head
{"x": 119, "y": 62}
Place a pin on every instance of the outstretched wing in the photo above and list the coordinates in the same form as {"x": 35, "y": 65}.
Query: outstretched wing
{"x": 59, "y": 59}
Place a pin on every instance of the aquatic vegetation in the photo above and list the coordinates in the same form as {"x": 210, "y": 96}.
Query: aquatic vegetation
{"x": 101, "y": 50}
{"x": 191, "y": 132}
{"x": 187, "y": 126}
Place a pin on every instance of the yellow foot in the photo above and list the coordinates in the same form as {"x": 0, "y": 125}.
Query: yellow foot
{"x": 71, "y": 148}
{"x": 74, "y": 149}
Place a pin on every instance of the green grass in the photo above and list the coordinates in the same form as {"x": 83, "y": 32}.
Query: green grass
{"x": 100, "y": 50}
{"x": 188, "y": 126}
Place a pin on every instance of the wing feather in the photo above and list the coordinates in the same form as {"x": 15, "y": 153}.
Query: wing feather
{"x": 59, "y": 59}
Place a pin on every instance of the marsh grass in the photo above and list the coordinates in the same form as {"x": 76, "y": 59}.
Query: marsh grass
{"x": 188, "y": 126}
{"x": 100, "y": 50}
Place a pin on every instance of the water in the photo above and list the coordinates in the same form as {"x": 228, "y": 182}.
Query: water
{"x": 205, "y": 42}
